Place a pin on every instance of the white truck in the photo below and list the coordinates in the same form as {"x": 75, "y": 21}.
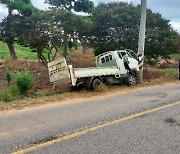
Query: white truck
{"x": 110, "y": 69}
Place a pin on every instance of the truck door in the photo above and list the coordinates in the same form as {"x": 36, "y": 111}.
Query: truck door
{"x": 121, "y": 64}
{"x": 133, "y": 63}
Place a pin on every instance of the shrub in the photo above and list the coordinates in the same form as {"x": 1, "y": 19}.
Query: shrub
{"x": 8, "y": 76}
{"x": 5, "y": 96}
{"x": 24, "y": 81}
{"x": 15, "y": 92}
{"x": 9, "y": 94}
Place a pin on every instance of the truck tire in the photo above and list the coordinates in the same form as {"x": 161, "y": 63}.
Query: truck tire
{"x": 95, "y": 83}
{"x": 131, "y": 80}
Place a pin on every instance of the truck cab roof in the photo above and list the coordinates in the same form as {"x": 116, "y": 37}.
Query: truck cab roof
{"x": 108, "y": 52}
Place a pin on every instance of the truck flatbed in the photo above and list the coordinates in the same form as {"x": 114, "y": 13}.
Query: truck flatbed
{"x": 95, "y": 71}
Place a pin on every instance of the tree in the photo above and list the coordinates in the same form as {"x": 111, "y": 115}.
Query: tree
{"x": 83, "y": 28}
{"x": 116, "y": 26}
{"x": 78, "y": 27}
{"x": 160, "y": 37}
{"x": 72, "y": 5}
{"x": 69, "y": 6}
{"x": 43, "y": 31}
{"x": 7, "y": 34}
{"x": 41, "y": 34}
{"x": 7, "y": 27}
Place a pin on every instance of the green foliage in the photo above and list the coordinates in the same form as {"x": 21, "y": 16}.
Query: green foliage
{"x": 40, "y": 33}
{"x": 116, "y": 26}
{"x": 8, "y": 75}
{"x": 22, "y": 52}
{"x": 78, "y": 27}
{"x": 171, "y": 73}
{"x": 24, "y": 81}
{"x": 175, "y": 56}
{"x": 5, "y": 96}
{"x": 84, "y": 6}
{"x": 24, "y": 7}
{"x": 69, "y": 5}
{"x": 14, "y": 90}
{"x": 44, "y": 32}
{"x": 9, "y": 25}
{"x": 9, "y": 94}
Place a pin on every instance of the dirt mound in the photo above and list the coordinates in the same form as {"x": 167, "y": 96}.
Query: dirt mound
{"x": 168, "y": 64}
{"x": 40, "y": 72}
{"x": 80, "y": 59}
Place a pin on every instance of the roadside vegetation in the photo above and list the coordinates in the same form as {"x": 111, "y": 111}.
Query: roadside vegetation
{"x": 31, "y": 38}
{"x": 22, "y": 52}
{"x": 175, "y": 56}
{"x": 18, "y": 84}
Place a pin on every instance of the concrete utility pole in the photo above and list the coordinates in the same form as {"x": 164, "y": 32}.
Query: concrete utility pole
{"x": 141, "y": 42}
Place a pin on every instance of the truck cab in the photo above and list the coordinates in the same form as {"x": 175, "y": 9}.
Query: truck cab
{"x": 115, "y": 58}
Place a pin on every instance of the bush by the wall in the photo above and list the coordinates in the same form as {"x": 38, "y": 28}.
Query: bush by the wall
{"x": 24, "y": 81}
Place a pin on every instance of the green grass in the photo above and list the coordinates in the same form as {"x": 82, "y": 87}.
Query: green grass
{"x": 22, "y": 52}
{"x": 171, "y": 73}
{"x": 9, "y": 93}
{"x": 175, "y": 56}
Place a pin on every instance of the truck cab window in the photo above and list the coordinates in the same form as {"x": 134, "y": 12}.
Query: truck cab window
{"x": 107, "y": 58}
{"x": 110, "y": 57}
{"x": 102, "y": 60}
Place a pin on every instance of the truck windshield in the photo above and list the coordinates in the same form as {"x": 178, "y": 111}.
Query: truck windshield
{"x": 129, "y": 55}
{"x": 121, "y": 54}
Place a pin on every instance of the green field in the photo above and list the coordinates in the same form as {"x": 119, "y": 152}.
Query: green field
{"x": 22, "y": 52}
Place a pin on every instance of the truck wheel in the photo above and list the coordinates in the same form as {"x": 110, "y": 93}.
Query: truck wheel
{"x": 131, "y": 80}
{"x": 95, "y": 83}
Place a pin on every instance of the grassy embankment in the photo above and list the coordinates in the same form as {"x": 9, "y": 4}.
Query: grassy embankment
{"x": 22, "y": 52}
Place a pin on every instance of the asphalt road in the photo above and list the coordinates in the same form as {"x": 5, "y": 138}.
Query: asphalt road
{"x": 138, "y": 122}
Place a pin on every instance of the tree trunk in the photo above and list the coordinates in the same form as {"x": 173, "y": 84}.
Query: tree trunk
{"x": 84, "y": 47}
{"x": 65, "y": 44}
{"x": 12, "y": 50}
{"x": 10, "y": 43}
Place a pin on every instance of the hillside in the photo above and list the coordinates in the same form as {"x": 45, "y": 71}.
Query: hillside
{"x": 22, "y": 52}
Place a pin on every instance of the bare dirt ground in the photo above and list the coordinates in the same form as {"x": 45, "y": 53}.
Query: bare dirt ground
{"x": 78, "y": 59}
